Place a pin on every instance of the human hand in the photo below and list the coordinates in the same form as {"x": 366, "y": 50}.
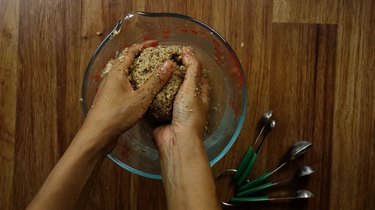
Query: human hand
{"x": 117, "y": 106}
{"x": 190, "y": 107}
{"x": 185, "y": 168}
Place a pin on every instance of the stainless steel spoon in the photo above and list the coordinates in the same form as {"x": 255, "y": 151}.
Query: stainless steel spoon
{"x": 247, "y": 162}
{"x": 268, "y": 126}
{"x": 265, "y": 126}
{"x": 295, "y": 151}
{"x": 302, "y": 172}
{"x": 300, "y": 194}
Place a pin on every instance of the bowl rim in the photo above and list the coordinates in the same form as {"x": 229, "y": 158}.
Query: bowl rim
{"x": 115, "y": 31}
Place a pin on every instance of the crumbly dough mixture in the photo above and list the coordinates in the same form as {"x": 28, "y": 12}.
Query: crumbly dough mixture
{"x": 142, "y": 69}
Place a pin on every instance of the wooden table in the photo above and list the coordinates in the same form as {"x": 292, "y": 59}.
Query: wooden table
{"x": 311, "y": 62}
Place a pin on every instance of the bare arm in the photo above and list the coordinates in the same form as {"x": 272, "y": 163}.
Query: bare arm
{"x": 65, "y": 183}
{"x": 187, "y": 176}
{"x": 117, "y": 107}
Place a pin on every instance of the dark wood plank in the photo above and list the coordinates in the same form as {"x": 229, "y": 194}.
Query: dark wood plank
{"x": 320, "y": 157}
{"x": 303, "y": 63}
{"x": 69, "y": 76}
{"x": 353, "y": 163}
{"x": 49, "y": 82}
{"x": 8, "y": 87}
{"x": 178, "y": 6}
{"x": 308, "y": 11}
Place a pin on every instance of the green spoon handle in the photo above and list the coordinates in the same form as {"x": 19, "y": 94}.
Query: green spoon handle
{"x": 249, "y": 199}
{"x": 254, "y": 190}
{"x": 255, "y": 182}
{"x": 246, "y": 171}
{"x": 244, "y": 162}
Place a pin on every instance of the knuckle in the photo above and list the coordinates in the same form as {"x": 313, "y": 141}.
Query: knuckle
{"x": 135, "y": 48}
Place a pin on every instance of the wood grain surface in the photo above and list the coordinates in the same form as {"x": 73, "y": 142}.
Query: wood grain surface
{"x": 311, "y": 62}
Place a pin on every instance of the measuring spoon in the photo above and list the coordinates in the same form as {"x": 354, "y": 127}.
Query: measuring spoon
{"x": 247, "y": 162}
{"x": 300, "y": 194}
{"x": 302, "y": 172}
{"x": 295, "y": 151}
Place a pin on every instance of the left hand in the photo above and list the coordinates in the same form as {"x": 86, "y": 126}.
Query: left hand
{"x": 117, "y": 106}
{"x": 190, "y": 107}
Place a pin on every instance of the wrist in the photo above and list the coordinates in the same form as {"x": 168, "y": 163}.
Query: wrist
{"x": 95, "y": 139}
{"x": 184, "y": 145}
{"x": 188, "y": 133}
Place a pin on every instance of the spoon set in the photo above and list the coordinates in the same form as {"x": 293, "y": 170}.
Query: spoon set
{"x": 246, "y": 190}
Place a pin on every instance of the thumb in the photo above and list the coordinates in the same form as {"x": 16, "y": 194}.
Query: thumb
{"x": 157, "y": 81}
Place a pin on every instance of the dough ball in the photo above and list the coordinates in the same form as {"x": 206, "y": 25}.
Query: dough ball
{"x": 142, "y": 69}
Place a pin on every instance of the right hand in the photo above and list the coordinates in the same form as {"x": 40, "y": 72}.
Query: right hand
{"x": 187, "y": 176}
{"x": 190, "y": 108}
{"x": 117, "y": 106}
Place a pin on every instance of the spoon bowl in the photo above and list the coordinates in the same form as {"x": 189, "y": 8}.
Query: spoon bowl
{"x": 305, "y": 171}
{"x": 298, "y": 149}
{"x": 266, "y": 117}
{"x": 304, "y": 194}
{"x": 300, "y": 194}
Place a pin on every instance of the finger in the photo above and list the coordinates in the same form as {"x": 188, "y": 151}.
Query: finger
{"x": 121, "y": 64}
{"x": 161, "y": 136}
{"x": 205, "y": 92}
{"x": 126, "y": 57}
{"x": 193, "y": 70}
{"x": 99, "y": 91}
{"x": 157, "y": 81}
{"x": 118, "y": 75}
{"x": 135, "y": 49}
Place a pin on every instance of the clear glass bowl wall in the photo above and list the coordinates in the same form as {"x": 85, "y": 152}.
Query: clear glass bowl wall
{"x": 135, "y": 150}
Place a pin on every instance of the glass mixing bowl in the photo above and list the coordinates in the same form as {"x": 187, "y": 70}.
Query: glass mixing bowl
{"x": 135, "y": 150}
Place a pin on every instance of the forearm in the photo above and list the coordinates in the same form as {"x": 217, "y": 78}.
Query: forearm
{"x": 66, "y": 181}
{"x": 187, "y": 176}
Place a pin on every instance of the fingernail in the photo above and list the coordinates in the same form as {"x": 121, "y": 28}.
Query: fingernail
{"x": 151, "y": 43}
{"x": 188, "y": 53}
{"x": 154, "y": 44}
{"x": 166, "y": 66}
{"x": 188, "y": 50}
